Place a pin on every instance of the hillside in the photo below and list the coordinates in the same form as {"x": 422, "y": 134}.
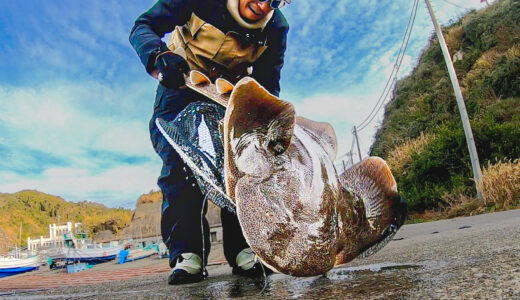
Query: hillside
{"x": 146, "y": 219}
{"x": 36, "y": 210}
{"x": 421, "y": 135}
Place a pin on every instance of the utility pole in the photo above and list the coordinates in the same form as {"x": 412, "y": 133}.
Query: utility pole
{"x": 141, "y": 230}
{"x": 357, "y": 142}
{"x": 477, "y": 173}
{"x": 19, "y": 252}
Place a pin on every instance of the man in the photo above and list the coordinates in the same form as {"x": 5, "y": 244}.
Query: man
{"x": 221, "y": 38}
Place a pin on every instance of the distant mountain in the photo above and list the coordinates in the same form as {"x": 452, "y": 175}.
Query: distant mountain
{"x": 422, "y": 136}
{"x": 36, "y": 210}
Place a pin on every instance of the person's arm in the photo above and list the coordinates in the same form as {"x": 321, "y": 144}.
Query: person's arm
{"x": 267, "y": 69}
{"x": 151, "y": 26}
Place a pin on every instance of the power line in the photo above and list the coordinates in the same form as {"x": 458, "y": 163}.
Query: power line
{"x": 395, "y": 65}
{"x": 454, "y": 4}
{"x": 352, "y": 146}
{"x": 395, "y": 69}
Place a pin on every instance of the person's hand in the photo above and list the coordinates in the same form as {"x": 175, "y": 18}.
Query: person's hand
{"x": 171, "y": 69}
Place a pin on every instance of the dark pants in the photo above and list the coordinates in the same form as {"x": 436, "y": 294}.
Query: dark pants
{"x": 182, "y": 208}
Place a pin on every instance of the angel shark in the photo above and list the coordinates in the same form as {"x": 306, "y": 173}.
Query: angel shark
{"x": 296, "y": 212}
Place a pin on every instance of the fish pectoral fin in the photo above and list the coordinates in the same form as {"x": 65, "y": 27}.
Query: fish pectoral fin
{"x": 324, "y": 132}
{"x": 385, "y": 210}
{"x": 373, "y": 182}
{"x": 252, "y": 108}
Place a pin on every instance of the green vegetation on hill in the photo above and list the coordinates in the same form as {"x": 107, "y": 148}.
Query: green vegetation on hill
{"x": 36, "y": 210}
{"x": 422, "y": 131}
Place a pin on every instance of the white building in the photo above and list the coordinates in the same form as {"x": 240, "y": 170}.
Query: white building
{"x": 56, "y": 236}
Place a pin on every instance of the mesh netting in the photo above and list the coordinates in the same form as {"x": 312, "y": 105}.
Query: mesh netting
{"x": 194, "y": 134}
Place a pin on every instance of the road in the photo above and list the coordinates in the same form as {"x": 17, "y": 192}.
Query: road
{"x": 466, "y": 258}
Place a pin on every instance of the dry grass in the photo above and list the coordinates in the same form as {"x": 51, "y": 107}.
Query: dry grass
{"x": 513, "y": 52}
{"x": 481, "y": 67}
{"x": 505, "y": 36}
{"x": 459, "y": 205}
{"x": 487, "y": 60}
{"x": 454, "y": 38}
{"x": 501, "y": 190}
{"x": 500, "y": 184}
{"x": 402, "y": 154}
{"x": 151, "y": 197}
{"x": 416, "y": 103}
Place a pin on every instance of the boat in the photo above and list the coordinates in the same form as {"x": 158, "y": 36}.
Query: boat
{"x": 79, "y": 248}
{"x": 91, "y": 254}
{"x": 11, "y": 266}
{"x": 55, "y": 254}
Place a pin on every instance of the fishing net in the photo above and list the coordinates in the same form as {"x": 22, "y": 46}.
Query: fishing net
{"x": 194, "y": 134}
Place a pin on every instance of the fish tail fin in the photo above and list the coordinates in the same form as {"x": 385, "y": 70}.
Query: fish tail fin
{"x": 383, "y": 211}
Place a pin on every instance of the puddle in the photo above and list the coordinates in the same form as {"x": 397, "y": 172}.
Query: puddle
{"x": 375, "y": 268}
{"x": 342, "y": 282}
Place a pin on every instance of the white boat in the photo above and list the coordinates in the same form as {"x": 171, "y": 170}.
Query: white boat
{"x": 81, "y": 249}
{"x": 12, "y": 266}
{"x": 91, "y": 254}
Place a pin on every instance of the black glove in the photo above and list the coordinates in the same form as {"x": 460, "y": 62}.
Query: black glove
{"x": 172, "y": 68}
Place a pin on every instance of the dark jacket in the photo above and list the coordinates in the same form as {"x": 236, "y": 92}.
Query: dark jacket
{"x": 165, "y": 15}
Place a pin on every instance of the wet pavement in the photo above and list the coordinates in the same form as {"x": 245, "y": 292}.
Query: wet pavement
{"x": 348, "y": 282}
{"x": 464, "y": 258}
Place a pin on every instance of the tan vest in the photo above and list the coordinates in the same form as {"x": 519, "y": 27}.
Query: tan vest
{"x": 217, "y": 54}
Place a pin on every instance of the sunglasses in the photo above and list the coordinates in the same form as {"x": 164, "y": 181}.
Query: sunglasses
{"x": 277, "y": 3}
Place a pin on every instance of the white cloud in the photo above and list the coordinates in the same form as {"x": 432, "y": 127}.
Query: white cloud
{"x": 342, "y": 112}
{"x": 53, "y": 120}
{"x": 120, "y": 185}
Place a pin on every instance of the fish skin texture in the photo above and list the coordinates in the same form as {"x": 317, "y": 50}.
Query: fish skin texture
{"x": 297, "y": 214}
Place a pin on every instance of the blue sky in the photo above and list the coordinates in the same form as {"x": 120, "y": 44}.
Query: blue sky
{"x": 75, "y": 101}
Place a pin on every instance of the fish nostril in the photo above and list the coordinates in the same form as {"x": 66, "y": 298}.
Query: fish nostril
{"x": 276, "y": 147}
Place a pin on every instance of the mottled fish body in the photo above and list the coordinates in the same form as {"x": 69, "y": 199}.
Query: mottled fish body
{"x": 298, "y": 215}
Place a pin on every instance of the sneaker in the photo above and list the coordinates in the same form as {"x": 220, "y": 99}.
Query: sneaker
{"x": 188, "y": 269}
{"x": 247, "y": 264}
